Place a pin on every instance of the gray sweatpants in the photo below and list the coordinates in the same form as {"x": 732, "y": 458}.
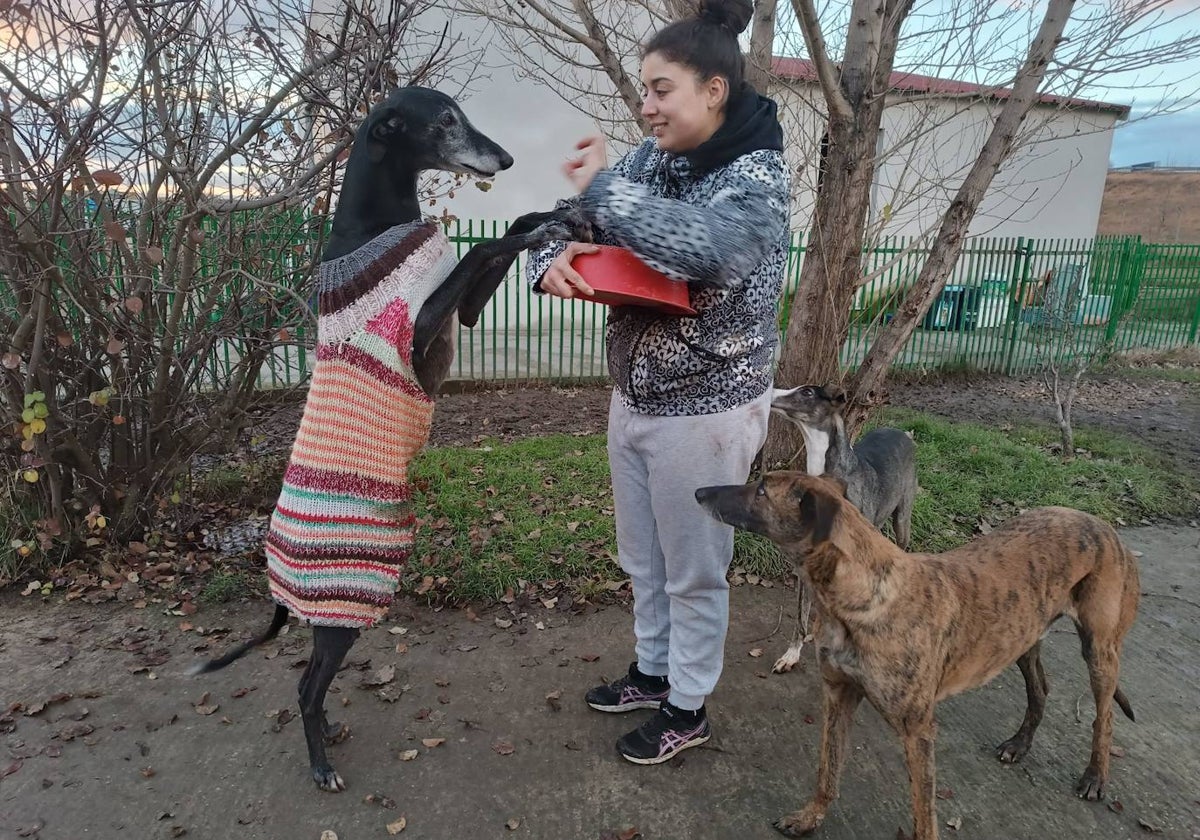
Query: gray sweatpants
{"x": 675, "y": 554}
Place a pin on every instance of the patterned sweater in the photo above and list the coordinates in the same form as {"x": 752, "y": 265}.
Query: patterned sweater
{"x": 724, "y": 231}
{"x": 342, "y": 529}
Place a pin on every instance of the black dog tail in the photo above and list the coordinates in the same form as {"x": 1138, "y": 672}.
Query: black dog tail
{"x": 1123, "y": 702}
{"x": 280, "y": 619}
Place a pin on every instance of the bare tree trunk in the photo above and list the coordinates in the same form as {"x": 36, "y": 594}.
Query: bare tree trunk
{"x": 762, "y": 43}
{"x": 832, "y": 270}
{"x": 948, "y": 244}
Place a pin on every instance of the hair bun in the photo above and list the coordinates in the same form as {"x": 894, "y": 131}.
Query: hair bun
{"x": 734, "y": 15}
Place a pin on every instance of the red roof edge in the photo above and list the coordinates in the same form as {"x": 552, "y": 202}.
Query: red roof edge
{"x": 801, "y": 69}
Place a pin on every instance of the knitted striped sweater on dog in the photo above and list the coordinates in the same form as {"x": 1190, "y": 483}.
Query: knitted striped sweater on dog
{"x": 342, "y": 529}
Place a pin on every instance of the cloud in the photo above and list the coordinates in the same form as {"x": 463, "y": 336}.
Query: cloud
{"x": 1168, "y": 140}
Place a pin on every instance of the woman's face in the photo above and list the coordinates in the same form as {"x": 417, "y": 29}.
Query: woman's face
{"x": 682, "y": 110}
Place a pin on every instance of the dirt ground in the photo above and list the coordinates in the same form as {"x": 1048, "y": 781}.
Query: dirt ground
{"x": 128, "y": 747}
{"x": 102, "y": 735}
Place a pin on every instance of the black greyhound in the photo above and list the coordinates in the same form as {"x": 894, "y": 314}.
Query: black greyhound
{"x": 414, "y": 129}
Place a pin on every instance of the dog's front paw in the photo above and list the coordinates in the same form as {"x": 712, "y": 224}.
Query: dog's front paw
{"x": 1090, "y": 786}
{"x": 805, "y": 821}
{"x": 789, "y": 660}
{"x": 1013, "y": 750}
{"x": 328, "y": 779}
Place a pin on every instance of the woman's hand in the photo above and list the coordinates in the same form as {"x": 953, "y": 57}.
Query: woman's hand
{"x": 560, "y": 279}
{"x": 581, "y": 170}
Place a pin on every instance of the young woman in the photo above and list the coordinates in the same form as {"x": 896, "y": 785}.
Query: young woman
{"x": 705, "y": 201}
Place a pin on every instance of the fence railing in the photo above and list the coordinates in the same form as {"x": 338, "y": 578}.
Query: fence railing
{"x": 1008, "y": 303}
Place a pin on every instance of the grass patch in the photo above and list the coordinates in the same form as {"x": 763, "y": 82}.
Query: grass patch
{"x": 540, "y": 509}
{"x": 225, "y": 586}
{"x": 244, "y": 483}
{"x": 969, "y": 473}
{"x": 499, "y": 516}
{"x": 496, "y": 515}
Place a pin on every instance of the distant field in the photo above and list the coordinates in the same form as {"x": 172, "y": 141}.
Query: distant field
{"x": 1159, "y": 206}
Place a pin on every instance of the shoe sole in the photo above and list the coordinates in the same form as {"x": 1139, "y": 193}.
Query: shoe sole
{"x": 627, "y": 707}
{"x": 695, "y": 742}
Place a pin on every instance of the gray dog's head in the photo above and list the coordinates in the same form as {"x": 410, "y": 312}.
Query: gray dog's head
{"x": 808, "y": 405}
{"x": 418, "y": 128}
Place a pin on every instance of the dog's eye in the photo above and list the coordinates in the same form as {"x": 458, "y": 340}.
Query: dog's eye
{"x": 761, "y": 490}
{"x": 806, "y": 392}
{"x": 447, "y": 120}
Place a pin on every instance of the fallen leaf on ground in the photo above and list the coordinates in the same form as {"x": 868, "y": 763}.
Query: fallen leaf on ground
{"x": 381, "y": 677}
{"x": 503, "y": 623}
{"x": 433, "y": 742}
{"x": 1114, "y": 750}
{"x": 513, "y": 824}
{"x": 590, "y": 657}
{"x": 630, "y": 833}
{"x": 945, "y": 793}
{"x": 380, "y": 800}
{"x": 203, "y": 707}
{"x": 1146, "y": 825}
{"x": 329, "y": 835}
{"x": 409, "y": 755}
{"x": 955, "y": 823}
{"x": 554, "y": 700}
{"x": 504, "y": 748}
{"x": 397, "y": 826}
{"x": 398, "y": 631}
{"x": 756, "y": 652}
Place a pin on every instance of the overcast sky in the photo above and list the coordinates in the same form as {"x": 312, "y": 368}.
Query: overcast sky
{"x": 1170, "y": 140}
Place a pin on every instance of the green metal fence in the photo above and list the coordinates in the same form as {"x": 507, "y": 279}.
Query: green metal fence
{"x": 1008, "y": 304}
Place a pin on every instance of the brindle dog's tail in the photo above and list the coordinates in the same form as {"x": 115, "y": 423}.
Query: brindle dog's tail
{"x": 1123, "y": 702}
{"x": 280, "y": 619}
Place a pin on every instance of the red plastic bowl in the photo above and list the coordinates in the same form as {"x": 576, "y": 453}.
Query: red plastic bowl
{"x": 618, "y": 278}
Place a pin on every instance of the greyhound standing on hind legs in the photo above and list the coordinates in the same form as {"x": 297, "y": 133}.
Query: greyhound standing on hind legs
{"x": 388, "y": 289}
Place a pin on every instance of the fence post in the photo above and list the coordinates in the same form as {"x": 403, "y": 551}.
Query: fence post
{"x": 1020, "y": 279}
{"x": 1195, "y": 328}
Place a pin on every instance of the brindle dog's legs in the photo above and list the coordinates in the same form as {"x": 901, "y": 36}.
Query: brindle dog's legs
{"x": 919, "y": 736}
{"x": 330, "y": 646}
{"x": 1103, "y": 662}
{"x": 1036, "y": 689}
{"x": 840, "y": 700}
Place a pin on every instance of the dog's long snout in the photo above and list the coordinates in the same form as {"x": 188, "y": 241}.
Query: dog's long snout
{"x": 726, "y": 503}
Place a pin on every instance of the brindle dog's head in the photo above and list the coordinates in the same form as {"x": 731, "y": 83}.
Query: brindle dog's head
{"x": 796, "y": 511}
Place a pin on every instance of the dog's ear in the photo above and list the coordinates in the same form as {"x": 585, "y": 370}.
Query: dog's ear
{"x": 818, "y": 510}
{"x": 384, "y": 126}
{"x": 837, "y": 395}
{"x": 841, "y": 486}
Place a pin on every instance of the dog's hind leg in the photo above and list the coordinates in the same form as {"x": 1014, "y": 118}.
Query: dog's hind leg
{"x": 1036, "y": 689}
{"x": 1103, "y": 662}
{"x": 919, "y": 737}
{"x": 330, "y": 646}
{"x": 840, "y": 700}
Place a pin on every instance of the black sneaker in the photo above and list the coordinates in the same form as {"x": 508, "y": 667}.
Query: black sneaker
{"x": 632, "y": 691}
{"x": 665, "y": 735}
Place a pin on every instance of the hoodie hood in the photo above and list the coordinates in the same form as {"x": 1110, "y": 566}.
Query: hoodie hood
{"x": 751, "y": 123}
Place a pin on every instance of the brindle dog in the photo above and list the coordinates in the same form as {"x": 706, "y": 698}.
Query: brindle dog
{"x": 907, "y": 630}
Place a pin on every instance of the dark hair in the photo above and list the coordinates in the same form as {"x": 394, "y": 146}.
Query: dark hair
{"x": 707, "y": 43}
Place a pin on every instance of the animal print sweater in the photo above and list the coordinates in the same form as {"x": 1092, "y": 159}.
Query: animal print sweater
{"x": 723, "y": 231}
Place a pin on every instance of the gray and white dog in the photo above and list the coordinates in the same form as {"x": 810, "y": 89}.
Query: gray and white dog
{"x": 880, "y": 473}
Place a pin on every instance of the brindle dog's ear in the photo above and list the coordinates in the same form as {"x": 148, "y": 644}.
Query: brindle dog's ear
{"x": 818, "y": 510}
